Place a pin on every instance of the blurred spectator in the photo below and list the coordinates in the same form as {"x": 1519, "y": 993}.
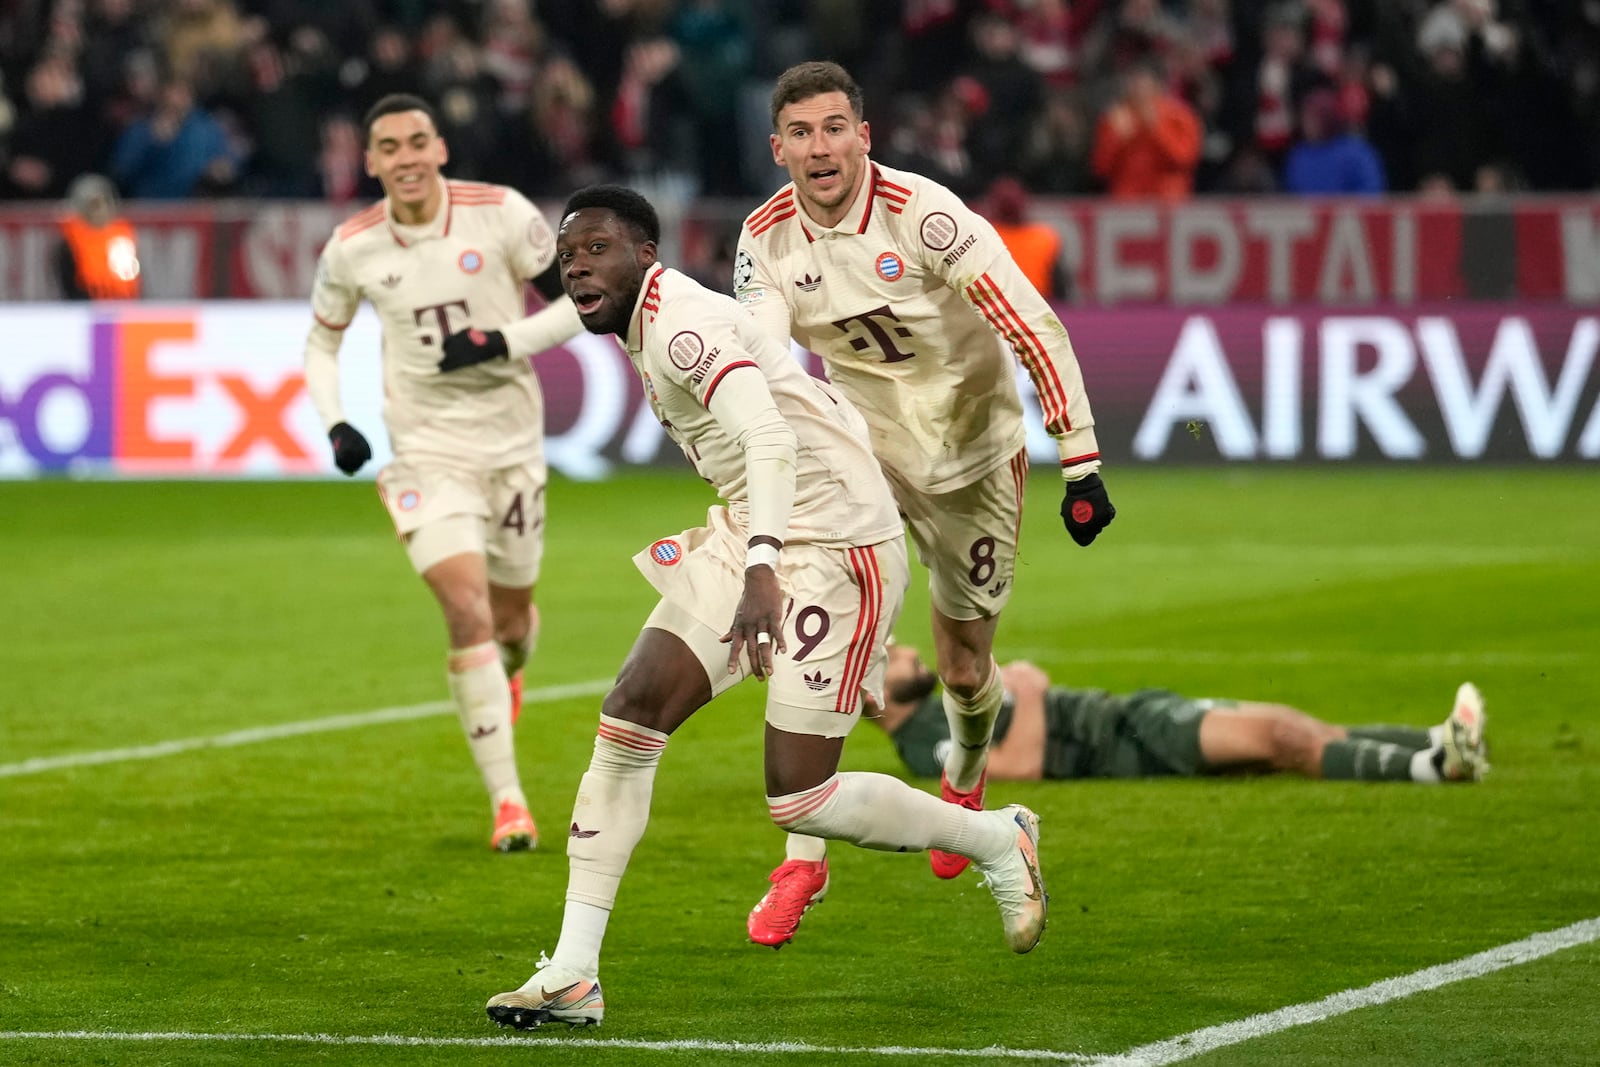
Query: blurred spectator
{"x": 1036, "y": 246}
{"x": 98, "y": 258}
{"x": 1052, "y": 36}
{"x": 203, "y": 42}
{"x": 716, "y": 55}
{"x": 1137, "y": 33}
{"x": 282, "y": 102}
{"x": 389, "y": 68}
{"x": 1332, "y": 159}
{"x": 916, "y": 143}
{"x": 513, "y": 44}
{"x": 58, "y": 137}
{"x": 1455, "y": 136}
{"x": 178, "y": 151}
{"x": 341, "y": 164}
{"x": 651, "y": 117}
{"x": 1055, "y": 158}
{"x": 1148, "y": 142}
{"x": 1012, "y": 95}
{"x": 464, "y": 95}
{"x": 114, "y": 31}
{"x": 1282, "y": 79}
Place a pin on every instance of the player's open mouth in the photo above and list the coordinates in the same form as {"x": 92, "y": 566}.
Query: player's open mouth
{"x": 587, "y": 303}
{"x": 823, "y": 177}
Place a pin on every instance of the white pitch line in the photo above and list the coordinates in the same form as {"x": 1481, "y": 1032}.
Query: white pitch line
{"x": 1211, "y": 1038}
{"x": 1158, "y": 1054}
{"x": 40, "y": 764}
{"x": 1215, "y": 657}
{"x": 565, "y": 1046}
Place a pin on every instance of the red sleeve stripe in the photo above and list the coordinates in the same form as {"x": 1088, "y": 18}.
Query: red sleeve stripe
{"x": 804, "y": 805}
{"x": 891, "y": 185}
{"x": 763, "y": 214}
{"x": 1073, "y": 461}
{"x": 864, "y": 562}
{"x": 723, "y": 373}
{"x": 628, "y": 739}
{"x": 324, "y": 322}
{"x": 1019, "y": 479}
{"x": 364, "y": 221}
{"x": 1004, "y": 318}
{"x": 757, "y": 229}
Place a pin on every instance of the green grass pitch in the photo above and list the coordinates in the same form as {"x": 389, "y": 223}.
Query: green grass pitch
{"x": 340, "y": 882}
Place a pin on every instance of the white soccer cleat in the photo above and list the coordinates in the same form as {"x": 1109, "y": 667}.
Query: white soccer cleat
{"x": 1016, "y": 882}
{"x": 1465, "y": 755}
{"x": 553, "y": 994}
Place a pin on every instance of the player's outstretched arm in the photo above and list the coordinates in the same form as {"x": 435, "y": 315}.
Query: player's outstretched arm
{"x": 549, "y": 326}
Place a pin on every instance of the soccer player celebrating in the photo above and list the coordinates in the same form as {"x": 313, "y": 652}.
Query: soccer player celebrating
{"x": 444, "y": 264}
{"x": 918, "y": 312}
{"x": 807, "y": 559}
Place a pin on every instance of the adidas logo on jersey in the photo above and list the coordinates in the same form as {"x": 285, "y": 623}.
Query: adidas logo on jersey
{"x": 808, "y": 284}
{"x": 391, "y": 281}
{"x": 581, "y": 834}
{"x": 816, "y": 682}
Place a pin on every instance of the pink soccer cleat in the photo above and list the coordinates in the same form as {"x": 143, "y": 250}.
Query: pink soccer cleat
{"x": 948, "y": 864}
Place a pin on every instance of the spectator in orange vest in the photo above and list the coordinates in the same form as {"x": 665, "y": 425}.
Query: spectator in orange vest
{"x": 1148, "y": 142}
{"x": 98, "y": 258}
{"x": 1036, "y": 246}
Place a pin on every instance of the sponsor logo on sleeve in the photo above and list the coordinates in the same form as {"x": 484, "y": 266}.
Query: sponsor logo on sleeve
{"x": 744, "y": 268}
{"x": 939, "y": 231}
{"x": 889, "y": 267}
{"x": 960, "y": 250}
{"x": 685, "y": 349}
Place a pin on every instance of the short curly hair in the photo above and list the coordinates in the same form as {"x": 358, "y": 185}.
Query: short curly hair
{"x": 628, "y": 205}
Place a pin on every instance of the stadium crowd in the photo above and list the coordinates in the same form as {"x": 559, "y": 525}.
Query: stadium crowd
{"x": 263, "y": 98}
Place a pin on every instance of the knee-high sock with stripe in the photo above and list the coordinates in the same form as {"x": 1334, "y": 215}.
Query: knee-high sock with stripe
{"x": 478, "y": 685}
{"x": 971, "y": 727}
{"x": 608, "y": 818}
{"x": 882, "y": 812}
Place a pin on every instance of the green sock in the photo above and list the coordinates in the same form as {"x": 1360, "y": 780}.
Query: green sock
{"x": 1371, "y": 761}
{"x": 1407, "y": 737}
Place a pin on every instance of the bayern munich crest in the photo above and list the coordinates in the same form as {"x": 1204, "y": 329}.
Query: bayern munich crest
{"x": 666, "y": 552}
{"x": 889, "y": 267}
{"x": 471, "y": 261}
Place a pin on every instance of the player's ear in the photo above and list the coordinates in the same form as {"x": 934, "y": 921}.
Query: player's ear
{"x": 647, "y": 254}
{"x": 865, "y": 133}
{"x": 366, "y": 156}
{"x": 777, "y": 149}
{"x": 444, "y": 152}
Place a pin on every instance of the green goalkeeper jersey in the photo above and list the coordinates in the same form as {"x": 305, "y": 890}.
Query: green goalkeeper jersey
{"x": 1089, "y": 733}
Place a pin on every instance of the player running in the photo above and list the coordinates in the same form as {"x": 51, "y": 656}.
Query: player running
{"x": 919, "y": 312}
{"x": 808, "y": 560}
{"x": 444, "y": 263}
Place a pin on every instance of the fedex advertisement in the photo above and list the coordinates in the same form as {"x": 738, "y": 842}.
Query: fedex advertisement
{"x": 216, "y": 390}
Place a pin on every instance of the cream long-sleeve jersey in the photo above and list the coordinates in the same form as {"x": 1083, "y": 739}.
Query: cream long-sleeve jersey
{"x": 466, "y": 268}
{"x": 919, "y": 313}
{"x": 688, "y": 343}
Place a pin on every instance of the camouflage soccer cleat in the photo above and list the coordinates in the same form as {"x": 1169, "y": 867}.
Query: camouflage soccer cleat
{"x": 1465, "y": 755}
{"x": 948, "y": 864}
{"x": 796, "y": 886}
{"x": 1016, "y": 882}
{"x": 553, "y": 995}
{"x": 514, "y": 830}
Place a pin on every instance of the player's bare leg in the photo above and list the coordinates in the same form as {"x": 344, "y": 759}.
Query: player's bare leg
{"x": 460, "y": 583}
{"x": 516, "y": 632}
{"x": 1263, "y": 737}
{"x": 659, "y": 686}
{"x": 972, "y": 698}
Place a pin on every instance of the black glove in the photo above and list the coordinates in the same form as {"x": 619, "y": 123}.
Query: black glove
{"x": 1086, "y": 510}
{"x": 350, "y": 449}
{"x": 470, "y": 347}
